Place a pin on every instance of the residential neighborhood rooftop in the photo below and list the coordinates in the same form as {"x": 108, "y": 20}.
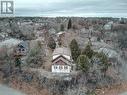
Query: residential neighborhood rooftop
{"x": 62, "y": 50}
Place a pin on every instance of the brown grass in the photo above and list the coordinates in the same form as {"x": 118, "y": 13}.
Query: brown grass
{"x": 113, "y": 90}
{"x": 28, "y": 89}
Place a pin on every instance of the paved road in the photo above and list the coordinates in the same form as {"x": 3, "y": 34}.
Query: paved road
{"x": 125, "y": 93}
{"x": 4, "y": 90}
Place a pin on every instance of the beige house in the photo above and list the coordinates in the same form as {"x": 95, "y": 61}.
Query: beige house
{"x": 62, "y": 60}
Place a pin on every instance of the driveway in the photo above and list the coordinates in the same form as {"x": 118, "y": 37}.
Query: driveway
{"x": 4, "y": 90}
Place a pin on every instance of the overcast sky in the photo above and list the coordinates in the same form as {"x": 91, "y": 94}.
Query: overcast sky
{"x": 84, "y": 8}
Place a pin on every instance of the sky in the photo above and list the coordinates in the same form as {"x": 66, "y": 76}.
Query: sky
{"x": 80, "y": 8}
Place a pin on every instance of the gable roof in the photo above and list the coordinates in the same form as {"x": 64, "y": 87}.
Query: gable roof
{"x": 67, "y": 61}
{"x": 62, "y": 51}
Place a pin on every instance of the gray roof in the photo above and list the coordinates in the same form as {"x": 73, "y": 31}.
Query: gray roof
{"x": 23, "y": 44}
{"x": 62, "y": 51}
{"x": 109, "y": 52}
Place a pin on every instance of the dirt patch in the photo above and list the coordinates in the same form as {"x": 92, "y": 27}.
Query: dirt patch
{"x": 113, "y": 90}
{"x": 28, "y": 88}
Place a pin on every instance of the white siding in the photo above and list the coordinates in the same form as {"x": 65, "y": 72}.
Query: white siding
{"x": 61, "y": 69}
{"x": 66, "y": 56}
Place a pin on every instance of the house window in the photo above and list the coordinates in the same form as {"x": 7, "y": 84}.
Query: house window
{"x": 55, "y": 67}
{"x": 23, "y": 50}
{"x": 60, "y": 67}
{"x": 19, "y": 49}
{"x": 65, "y": 67}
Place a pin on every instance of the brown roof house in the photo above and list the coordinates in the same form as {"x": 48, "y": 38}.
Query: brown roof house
{"x": 62, "y": 60}
{"x": 21, "y": 49}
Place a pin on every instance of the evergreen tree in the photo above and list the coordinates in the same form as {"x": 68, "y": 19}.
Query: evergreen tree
{"x": 83, "y": 63}
{"x": 103, "y": 62}
{"x": 88, "y": 51}
{"x": 62, "y": 27}
{"x": 75, "y": 51}
{"x": 51, "y": 43}
{"x": 69, "y": 24}
{"x": 98, "y": 39}
{"x": 18, "y": 63}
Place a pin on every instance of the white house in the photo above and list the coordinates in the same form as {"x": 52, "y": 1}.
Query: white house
{"x": 108, "y": 26}
{"x": 62, "y": 61}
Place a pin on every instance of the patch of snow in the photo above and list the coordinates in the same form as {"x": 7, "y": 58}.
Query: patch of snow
{"x": 10, "y": 42}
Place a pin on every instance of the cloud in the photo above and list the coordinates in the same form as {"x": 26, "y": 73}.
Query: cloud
{"x": 71, "y": 8}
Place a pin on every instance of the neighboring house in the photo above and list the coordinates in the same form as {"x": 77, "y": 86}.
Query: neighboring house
{"x": 85, "y": 33}
{"x": 62, "y": 60}
{"x": 52, "y": 31}
{"x": 1, "y": 38}
{"x": 39, "y": 34}
{"x": 61, "y": 33}
{"x": 108, "y": 26}
{"x": 21, "y": 49}
{"x": 124, "y": 52}
{"x": 109, "y": 52}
